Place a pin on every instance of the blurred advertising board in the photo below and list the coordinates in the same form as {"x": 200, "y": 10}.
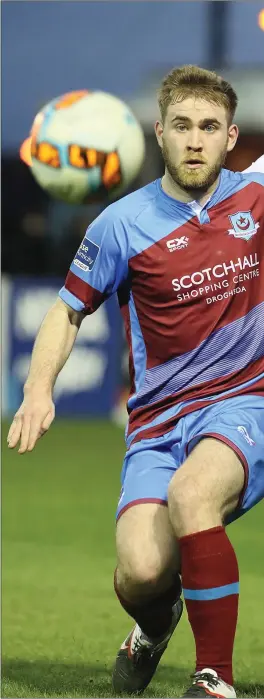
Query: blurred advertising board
{"x": 89, "y": 382}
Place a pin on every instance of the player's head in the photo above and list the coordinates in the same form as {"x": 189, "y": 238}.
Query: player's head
{"x": 197, "y": 108}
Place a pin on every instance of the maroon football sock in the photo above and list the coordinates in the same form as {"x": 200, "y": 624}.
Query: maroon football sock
{"x": 210, "y": 585}
{"x": 153, "y": 616}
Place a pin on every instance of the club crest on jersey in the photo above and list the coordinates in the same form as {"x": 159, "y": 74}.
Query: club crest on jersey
{"x": 243, "y": 224}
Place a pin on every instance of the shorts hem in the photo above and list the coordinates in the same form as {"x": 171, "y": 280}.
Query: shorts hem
{"x": 140, "y": 501}
{"x": 238, "y": 452}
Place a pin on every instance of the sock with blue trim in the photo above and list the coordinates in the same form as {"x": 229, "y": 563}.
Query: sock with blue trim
{"x": 210, "y": 586}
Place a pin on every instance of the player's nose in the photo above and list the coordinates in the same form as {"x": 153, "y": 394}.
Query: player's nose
{"x": 195, "y": 140}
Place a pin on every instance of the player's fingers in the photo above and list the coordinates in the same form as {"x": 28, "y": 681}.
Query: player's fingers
{"x": 39, "y": 427}
{"x": 14, "y": 431}
{"x": 25, "y": 434}
{"x": 48, "y": 420}
{"x": 35, "y": 431}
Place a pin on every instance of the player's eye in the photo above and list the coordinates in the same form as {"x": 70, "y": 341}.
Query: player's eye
{"x": 181, "y": 127}
{"x": 210, "y": 128}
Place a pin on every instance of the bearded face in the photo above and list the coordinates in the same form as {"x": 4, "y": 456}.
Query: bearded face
{"x": 194, "y": 141}
{"x": 194, "y": 172}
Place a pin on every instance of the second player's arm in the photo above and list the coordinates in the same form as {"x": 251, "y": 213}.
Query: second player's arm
{"x": 52, "y": 348}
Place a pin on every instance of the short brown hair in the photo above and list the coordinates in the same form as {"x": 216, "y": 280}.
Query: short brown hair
{"x": 189, "y": 81}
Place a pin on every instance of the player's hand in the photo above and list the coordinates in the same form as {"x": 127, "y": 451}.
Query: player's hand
{"x": 31, "y": 421}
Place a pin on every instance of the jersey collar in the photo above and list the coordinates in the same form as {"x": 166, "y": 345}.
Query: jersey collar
{"x": 194, "y": 205}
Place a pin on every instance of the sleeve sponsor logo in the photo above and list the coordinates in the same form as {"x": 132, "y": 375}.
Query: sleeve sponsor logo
{"x": 86, "y": 255}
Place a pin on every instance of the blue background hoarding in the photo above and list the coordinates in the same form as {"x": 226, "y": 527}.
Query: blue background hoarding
{"x": 88, "y": 383}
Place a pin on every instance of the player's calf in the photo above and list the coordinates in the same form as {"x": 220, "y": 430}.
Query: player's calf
{"x": 200, "y": 495}
{"x": 153, "y": 611}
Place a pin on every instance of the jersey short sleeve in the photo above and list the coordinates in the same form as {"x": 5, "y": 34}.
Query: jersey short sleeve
{"x": 256, "y": 170}
{"x": 99, "y": 266}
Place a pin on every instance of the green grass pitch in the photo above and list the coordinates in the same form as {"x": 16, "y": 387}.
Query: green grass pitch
{"x": 61, "y": 622}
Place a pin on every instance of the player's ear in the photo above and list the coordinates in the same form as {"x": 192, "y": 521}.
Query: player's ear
{"x": 158, "y": 128}
{"x": 233, "y": 133}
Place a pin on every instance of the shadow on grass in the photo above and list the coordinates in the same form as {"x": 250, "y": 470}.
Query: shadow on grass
{"x": 58, "y": 679}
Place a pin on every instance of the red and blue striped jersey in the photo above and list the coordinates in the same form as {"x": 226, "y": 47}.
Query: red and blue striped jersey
{"x": 190, "y": 285}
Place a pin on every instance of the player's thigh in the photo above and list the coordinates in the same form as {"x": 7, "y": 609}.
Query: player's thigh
{"x": 146, "y": 546}
{"x": 147, "y": 549}
{"x": 211, "y": 478}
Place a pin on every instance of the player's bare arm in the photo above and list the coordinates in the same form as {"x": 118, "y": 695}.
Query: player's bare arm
{"x": 52, "y": 348}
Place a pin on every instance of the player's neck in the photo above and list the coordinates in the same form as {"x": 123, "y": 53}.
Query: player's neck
{"x": 174, "y": 190}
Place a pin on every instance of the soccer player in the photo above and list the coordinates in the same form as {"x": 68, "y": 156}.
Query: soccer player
{"x": 185, "y": 255}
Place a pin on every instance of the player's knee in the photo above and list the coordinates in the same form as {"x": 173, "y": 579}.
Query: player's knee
{"x": 140, "y": 575}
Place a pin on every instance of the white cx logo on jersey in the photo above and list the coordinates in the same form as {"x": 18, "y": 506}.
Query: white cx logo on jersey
{"x": 177, "y": 243}
{"x": 243, "y": 430}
